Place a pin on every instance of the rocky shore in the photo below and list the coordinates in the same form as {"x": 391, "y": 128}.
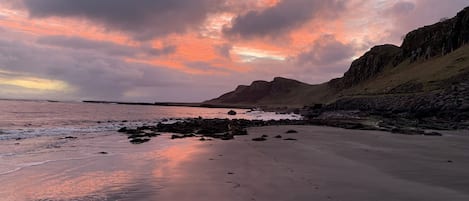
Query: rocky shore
{"x": 228, "y": 129}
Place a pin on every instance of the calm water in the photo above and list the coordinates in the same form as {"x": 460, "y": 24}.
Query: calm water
{"x": 27, "y": 119}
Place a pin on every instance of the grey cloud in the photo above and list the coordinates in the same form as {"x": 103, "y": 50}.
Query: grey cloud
{"x": 325, "y": 51}
{"x": 281, "y": 18}
{"x": 400, "y": 8}
{"x": 204, "y": 66}
{"x": 108, "y": 48}
{"x": 92, "y": 75}
{"x": 142, "y": 19}
{"x": 224, "y": 50}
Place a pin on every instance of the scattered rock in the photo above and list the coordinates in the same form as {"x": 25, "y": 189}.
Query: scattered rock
{"x": 291, "y": 131}
{"x": 278, "y": 136}
{"x": 290, "y": 139}
{"x": 139, "y": 140}
{"x": 232, "y": 112}
{"x": 258, "y": 139}
{"x": 264, "y": 136}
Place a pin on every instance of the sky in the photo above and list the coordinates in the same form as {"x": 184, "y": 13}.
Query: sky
{"x": 191, "y": 50}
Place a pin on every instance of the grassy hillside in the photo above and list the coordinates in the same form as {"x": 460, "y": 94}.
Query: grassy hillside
{"x": 420, "y": 76}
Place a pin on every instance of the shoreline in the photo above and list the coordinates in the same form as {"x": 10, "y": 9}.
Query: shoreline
{"x": 324, "y": 163}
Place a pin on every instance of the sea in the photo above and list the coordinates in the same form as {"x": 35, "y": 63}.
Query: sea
{"x": 30, "y": 119}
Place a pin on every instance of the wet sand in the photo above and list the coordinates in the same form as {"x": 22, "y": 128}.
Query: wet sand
{"x": 322, "y": 164}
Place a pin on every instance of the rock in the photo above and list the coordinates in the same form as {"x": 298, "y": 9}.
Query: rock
{"x": 139, "y": 140}
{"x": 291, "y": 131}
{"x": 264, "y": 136}
{"x": 176, "y": 137}
{"x": 202, "y": 139}
{"x": 103, "y": 152}
{"x": 227, "y": 137}
{"x": 258, "y": 139}
{"x": 122, "y": 130}
{"x": 232, "y": 112}
{"x": 70, "y": 137}
{"x": 278, "y": 136}
{"x": 290, "y": 139}
{"x": 239, "y": 131}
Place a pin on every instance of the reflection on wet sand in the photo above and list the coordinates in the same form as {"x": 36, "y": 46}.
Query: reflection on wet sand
{"x": 132, "y": 171}
{"x": 173, "y": 158}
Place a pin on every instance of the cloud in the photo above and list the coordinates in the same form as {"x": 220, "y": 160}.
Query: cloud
{"x": 326, "y": 50}
{"x": 142, "y": 19}
{"x": 224, "y": 50}
{"x": 92, "y": 75}
{"x": 400, "y": 8}
{"x": 281, "y": 18}
{"x": 105, "y": 47}
{"x": 206, "y": 67}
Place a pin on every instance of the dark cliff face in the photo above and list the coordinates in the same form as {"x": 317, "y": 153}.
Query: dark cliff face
{"x": 438, "y": 39}
{"x": 368, "y": 66}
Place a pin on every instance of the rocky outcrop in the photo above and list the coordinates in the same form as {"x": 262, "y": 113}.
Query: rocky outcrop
{"x": 367, "y": 66}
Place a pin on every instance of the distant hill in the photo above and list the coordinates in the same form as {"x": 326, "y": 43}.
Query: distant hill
{"x": 279, "y": 92}
{"x": 432, "y": 61}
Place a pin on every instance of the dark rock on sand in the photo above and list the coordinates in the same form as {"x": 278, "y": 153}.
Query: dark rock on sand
{"x": 258, "y": 139}
{"x": 290, "y": 139}
{"x": 291, "y": 131}
{"x": 278, "y": 136}
{"x": 232, "y": 112}
{"x": 139, "y": 140}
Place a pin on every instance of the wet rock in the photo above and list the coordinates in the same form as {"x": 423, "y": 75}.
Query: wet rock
{"x": 122, "y": 130}
{"x": 258, "y": 139}
{"x": 290, "y": 139}
{"x": 227, "y": 137}
{"x": 139, "y": 140}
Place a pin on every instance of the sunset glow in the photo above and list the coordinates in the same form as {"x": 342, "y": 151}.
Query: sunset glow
{"x": 196, "y": 49}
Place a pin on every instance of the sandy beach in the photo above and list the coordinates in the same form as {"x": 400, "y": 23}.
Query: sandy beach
{"x": 321, "y": 164}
